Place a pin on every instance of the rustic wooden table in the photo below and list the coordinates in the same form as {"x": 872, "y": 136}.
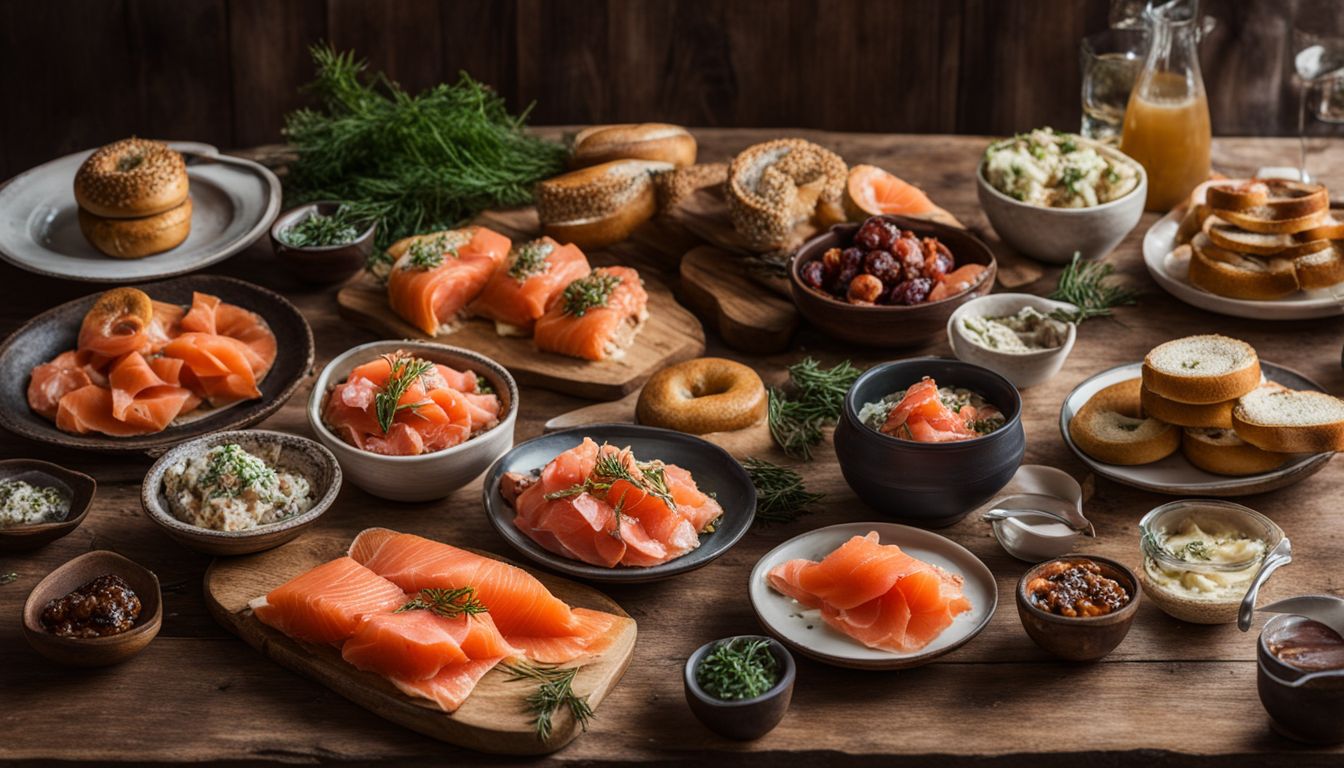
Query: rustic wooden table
{"x": 1171, "y": 693}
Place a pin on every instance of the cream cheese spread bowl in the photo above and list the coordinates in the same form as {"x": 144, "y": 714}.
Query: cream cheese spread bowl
{"x": 1024, "y": 368}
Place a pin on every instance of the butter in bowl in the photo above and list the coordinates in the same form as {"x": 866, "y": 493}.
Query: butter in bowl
{"x": 1022, "y": 337}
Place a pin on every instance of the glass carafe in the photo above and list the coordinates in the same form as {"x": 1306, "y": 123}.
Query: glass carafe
{"x": 1167, "y": 120}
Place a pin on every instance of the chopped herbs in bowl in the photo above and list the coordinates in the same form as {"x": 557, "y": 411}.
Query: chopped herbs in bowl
{"x": 324, "y": 230}
{"x": 741, "y": 668}
{"x": 740, "y": 687}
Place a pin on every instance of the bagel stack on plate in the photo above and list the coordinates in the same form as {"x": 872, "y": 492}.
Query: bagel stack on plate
{"x": 1264, "y": 240}
{"x": 1205, "y": 396}
{"x": 133, "y": 199}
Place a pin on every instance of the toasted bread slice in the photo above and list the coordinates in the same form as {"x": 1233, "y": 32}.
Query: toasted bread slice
{"x": 1192, "y": 224}
{"x": 1110, "y": 428}
{"x": 1290, "y": 421}
{"x": 1331, "y": 228}
{"x": 1274, "y": 199}
{"x": 1321, "y": 269}
{"x": 1202, "y": 369}
{"x": 1265, "y": 221}
{"x": 1235, "y": 275}
{"x": 1238, "y": 240}
{"x": 1211, "y": 415}
{"x": 1221, "y": 452}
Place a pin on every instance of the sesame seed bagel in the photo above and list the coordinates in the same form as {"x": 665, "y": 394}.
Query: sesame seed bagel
{"x": 1290, "y": 421}
{"x": 1202, "y": 369}
{"x": 1221, "y": 452}
{"x": 775, "y": 186}
{"x": 137, "y": 238}
{"x": 1208, "y": 416}
{"x": 1111, "y": 428}
{"x": 708, "y": 394}
{"x": 131, "y": 178}
{"x": 598, "y": 205}
{"x": 637, "y": 141}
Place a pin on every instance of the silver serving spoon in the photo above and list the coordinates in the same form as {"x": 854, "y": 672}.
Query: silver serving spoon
{"x": 1279, "y": 556}
{"x": 1036, "y": 505}
{"x": 1326, "y": 609}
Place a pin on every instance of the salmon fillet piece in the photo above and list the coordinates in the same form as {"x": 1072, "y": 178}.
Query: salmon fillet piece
{"x": 599, "y": 332}
{"x": 326, "y": 603}
{"x": 430, "y": 294}
{"x": 527, "y": 283}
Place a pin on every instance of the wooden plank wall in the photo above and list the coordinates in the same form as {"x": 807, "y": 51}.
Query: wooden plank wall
{"x": 77, "y": 73}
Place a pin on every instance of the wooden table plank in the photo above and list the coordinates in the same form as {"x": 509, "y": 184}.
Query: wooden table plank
{"x": 997, "y": 700}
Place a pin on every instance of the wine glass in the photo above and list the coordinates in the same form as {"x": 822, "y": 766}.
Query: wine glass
{"x": 1318, "y": 69}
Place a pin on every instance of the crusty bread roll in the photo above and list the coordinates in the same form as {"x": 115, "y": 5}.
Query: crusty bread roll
{"x": 661, "y": 142}
{"x": 137, "y": 238}
{"x": 1202, "y": 369}
{"x": 1111, "y": 428}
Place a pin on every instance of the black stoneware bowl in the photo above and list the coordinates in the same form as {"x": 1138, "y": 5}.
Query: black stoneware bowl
{"x": 746, "y": 719}
{"x": 931, "y": 485}
{"x": 1304, "y": 707}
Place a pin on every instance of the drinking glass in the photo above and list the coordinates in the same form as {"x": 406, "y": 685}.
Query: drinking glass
{"x": 1318, "y": 64}
{"x": 1111, "y": 61}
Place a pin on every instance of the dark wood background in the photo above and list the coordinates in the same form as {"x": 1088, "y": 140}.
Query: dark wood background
{"x": 78, "y": 73}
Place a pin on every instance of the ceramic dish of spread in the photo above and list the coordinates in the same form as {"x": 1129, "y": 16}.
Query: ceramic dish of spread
{"x": 1175, "y": 475}
{"x": 233, "y": 201}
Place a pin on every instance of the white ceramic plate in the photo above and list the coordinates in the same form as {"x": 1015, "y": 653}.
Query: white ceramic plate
{"x": 803, "y": 630}
{"x": 1174, "y": 475}
{"x": 233, "y": 200}
{"x": 1171, "y": 273}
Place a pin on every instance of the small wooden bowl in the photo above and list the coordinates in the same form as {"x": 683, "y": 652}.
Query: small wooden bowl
{"x": 1079, "y": 639}
{"x": 96, "y": 651}
{"x": 320, "y": 264}
{"x": 882, "y": 325}
{"x": 749, "y": 718}
{"x": 298, "y": 454}
{"x": 76, "y": 486}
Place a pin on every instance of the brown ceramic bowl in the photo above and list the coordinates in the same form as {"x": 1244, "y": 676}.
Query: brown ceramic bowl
{"x": 320, "y": 264}
{"x": 1079, "y": 639}
{"x": 77, "y": 487}
{"x": 97, "y": 651}
{"x": 887, "y": 325}
{"x": 746, "y": 719}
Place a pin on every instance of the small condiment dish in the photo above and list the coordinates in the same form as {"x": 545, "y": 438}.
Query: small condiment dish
{"x": 320, "y": 264}
{"x": 427, "y": 476}
{"x": 1303, "y": 705}
{"x": 1024, "y": 369}
{"x": 744, "y": 719}
{"x": 1043, "y": 519}
{"x": 1086, "y": 638}
{"x": 297, "y": 454}
{"x": 75, "y": 487}
{"x": 97, "y": 651}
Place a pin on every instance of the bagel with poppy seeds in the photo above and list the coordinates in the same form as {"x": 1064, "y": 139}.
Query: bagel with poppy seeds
{"x": 1111, "y": 428}
{"x": 131, "y": 178}
{"x": 1202, "y": 369}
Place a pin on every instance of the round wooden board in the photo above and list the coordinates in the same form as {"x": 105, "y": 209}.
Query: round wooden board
{"x": 493, "y": 719}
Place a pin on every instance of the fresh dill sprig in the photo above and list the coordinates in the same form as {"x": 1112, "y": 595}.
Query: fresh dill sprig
{"x": 1086, "y": 285}
{"x": 402, "y": 373}
{"x": 781, "y": 495}
{"x": 589, "y": 292}
{"x": 233, "y": 470}
{"x": 742, "y": 668}
{"x": 412, "y": 163}
{"x": 556, "y": 691}
{"x": 814, "y": 399}
{"x": 428, "y": 253}
{"x": 611, "y": 467}
{"x": 529, "y": 259}
{"x": 448, "y": 603}
{"x": 321, "y": 231}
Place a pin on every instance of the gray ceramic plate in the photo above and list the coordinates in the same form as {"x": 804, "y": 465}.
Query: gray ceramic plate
{"x": 233, "y": 200}
{"x": 55, "y": 331}
{"x": 1174, "y": 475}
{"x": 803, "y": 630}
{"x": 714, "y": 469}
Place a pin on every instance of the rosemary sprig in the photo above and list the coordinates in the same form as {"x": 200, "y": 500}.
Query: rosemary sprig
{"x": 1087, "y": 286}
{"x": 556, "y": 691}
{"x": 589, "y": 292}
{"x": 448, "y": 603}
{"x": 781, "y": 495}
{"x": 610, "y": 467}
{"x": 797, "y": 415}
{"x": 743, "y": 668}
{"x": 403, "y": 372}
{"x": 529, "y": 259}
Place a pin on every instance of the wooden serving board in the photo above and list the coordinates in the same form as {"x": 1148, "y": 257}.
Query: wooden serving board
{"x": 718, "y": 286}
{"x": 754, "y": 440}
{"x": 493, "y": 719}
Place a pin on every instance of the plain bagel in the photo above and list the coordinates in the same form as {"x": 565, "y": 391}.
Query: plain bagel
{"x": 1110, "y": 428}
{"x": 131, "y": 178}
{"x": 708, "y": 394}
{"x": 137, "y": 238}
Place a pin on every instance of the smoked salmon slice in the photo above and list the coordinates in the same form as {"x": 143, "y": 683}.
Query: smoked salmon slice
{"x": 602, "y": 506}
{"x": 326, "y": 604}
{"x": 527, "y": 283}
{"x": 875, "y": 593}
{"x": 596, "y": 317}
{"x": 451, "y": 686}
{"x": 53, "y": 380}
{"x": 435, "y": 276}
{"x": 923, "y": 417}
{"x": 418, "y": 644}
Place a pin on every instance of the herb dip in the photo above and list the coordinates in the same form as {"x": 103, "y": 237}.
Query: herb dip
{"x": 1057, "y": 170}
{"x": 1222, "y": 562}
{"x": 1027, "y": 331}
{"x": 230, "y": 489}
{"x": 22, "y": 503}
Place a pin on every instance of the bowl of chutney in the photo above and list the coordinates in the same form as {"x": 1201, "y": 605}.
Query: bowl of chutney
{"x": 1078, "y": 607}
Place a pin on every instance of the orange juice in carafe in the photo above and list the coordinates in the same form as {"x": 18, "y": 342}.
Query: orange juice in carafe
{"x": 1167, "y": 130}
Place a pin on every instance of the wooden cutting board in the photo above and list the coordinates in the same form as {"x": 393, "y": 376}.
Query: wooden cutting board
{"x": 493, "y": 719}
{"x": 717, "y": 286}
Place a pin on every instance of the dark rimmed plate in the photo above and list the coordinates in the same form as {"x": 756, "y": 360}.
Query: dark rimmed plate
{"x": 714, "y": 469}
{"x": 56, "y": 330}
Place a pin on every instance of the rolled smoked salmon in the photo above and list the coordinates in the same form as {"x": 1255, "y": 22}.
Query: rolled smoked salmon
{"x": 596, "y": 317}
{"x": 527, "y": 283}
{"x": 140, "y": 364}
{"x": 875, "y": 593}
{"x": 435, "y": 276}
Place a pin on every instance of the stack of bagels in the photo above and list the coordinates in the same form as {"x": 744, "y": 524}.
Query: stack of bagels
{"x": 1206, "y": 397}
{"x": 133, "y": 200}
{"x": 1263, "y": 239}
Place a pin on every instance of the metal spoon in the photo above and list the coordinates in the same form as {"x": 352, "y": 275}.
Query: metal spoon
{"x": 1279, "y": 556}
{"x": 1326, "y": 609}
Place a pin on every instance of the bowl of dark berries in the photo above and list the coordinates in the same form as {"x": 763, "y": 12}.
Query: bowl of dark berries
{"x": 891, "y": 281}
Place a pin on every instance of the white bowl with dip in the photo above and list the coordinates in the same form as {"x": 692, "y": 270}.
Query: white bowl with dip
{"x": 1022, "y": 358}
{"x": 1201, "y": 555}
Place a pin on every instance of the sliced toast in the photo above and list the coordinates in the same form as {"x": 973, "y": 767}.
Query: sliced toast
{"x": 1190, "y": 415}
{"x": 1221, "y": 452}
{"x": 1233, "y": 238}
{"x": 1238, "y": 276}
{"x": 1290, "y": 421}
{"x": 1269, "y": 199}
{"x": 1202, "y": 369}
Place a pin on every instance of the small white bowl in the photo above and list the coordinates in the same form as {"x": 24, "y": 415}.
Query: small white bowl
{"x": 1053, "y": 235}
{"x": 1024, "y": 369}
{"x": 427, "y": 476}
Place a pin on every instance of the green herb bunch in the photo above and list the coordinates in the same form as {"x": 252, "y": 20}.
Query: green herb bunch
{"x": 448, "y": 603}
{"x": 554, "y": 692}
{"x": 815, "y": 396}
{"x": 403, "y": 371}
{"x": 412, "y": 163}
{"x": 1088, "y": 286}
{"x": 781, "y": 495}
{"x": 742, "y": 668}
